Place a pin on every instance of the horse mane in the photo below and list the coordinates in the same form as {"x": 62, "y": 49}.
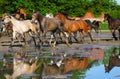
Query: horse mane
{"x": 66, "y": 15}
{"x": 108, "y": 16}
{"x": 39, "y": 16}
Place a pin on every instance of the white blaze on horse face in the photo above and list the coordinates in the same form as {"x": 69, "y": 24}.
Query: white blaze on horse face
{"x": 6, "y": 19}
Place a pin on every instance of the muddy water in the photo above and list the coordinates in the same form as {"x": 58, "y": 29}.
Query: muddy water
{"x": 98, "y": 56}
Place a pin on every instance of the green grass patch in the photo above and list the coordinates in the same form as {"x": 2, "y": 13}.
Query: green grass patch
{"x": 104, "y": 26}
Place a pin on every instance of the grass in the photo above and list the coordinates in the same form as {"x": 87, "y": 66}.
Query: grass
{"x": 104, "y": 26}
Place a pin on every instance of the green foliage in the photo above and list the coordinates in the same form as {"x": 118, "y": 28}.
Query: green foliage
{"x": 73, "y": 7}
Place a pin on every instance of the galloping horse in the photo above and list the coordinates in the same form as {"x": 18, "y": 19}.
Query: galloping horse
{"x": 72, "y": 26}
{"x": 113, "y": 24}
{"x": 48, "y": 24}
{"x": 19, "y": 27}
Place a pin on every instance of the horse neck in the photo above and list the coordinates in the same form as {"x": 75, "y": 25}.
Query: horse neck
{"x": 13, "y": 20}
{"x": 110, "y": 19}
{"x": 40, "y": 17}
{"x": 63, "y": 18}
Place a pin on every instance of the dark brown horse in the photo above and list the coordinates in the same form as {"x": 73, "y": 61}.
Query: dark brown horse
{"x": 113, "y": 24}
{"x": 72, "y": 26}
{"x": 48, "y": 24}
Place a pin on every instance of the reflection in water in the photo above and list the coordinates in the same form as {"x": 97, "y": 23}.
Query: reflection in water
{"x": 81, "y": 65}
{"x": 21, "y": 67}
{"x": 114, "y": 60}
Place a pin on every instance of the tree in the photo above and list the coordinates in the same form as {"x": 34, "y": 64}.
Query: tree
{"x": 73, "y": 7}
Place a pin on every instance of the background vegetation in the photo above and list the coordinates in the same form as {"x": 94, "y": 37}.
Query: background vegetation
{"x": 73, "y": 7}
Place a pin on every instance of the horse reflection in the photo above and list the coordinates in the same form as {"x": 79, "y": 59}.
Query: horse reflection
{"x": 114, "y": 60}
{"x": 69, "y": 65}
{"x": 75, "y": 64}
{"x": 20, "y": 67}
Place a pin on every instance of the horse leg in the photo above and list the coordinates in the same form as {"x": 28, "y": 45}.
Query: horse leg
{"x": 51, "y": 39}
{"x": 66, "y": 38}
{"x": 114, "y": 35}
{"x": 89, "y": 34}
{"x": 119, "y": 33}
{"x": 12, "y": 39}
{"x": 74, "y": 36}
{"x": 56, "y": 39}
{"x": 82, "y": 36}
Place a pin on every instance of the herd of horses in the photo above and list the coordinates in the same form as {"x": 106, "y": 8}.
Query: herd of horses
{"x": 60, "y": 26}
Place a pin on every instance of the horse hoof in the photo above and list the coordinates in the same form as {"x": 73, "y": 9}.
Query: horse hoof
{"x": 69, "y": 45}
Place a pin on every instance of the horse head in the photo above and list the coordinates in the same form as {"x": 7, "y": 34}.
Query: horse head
{"x": 106, "y": 16}
{"x": 6, "y": 18}
{"x": 36, "y": 16}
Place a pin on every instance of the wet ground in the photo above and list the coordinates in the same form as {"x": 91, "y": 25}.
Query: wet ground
{"x": 99, "y": 54}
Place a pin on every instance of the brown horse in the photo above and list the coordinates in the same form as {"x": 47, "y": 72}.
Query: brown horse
{"x": 72, "y": 26}
{"x": 20, "y": 14}
{"x": 113, "y": 25}
{"x": 48, "y": 24}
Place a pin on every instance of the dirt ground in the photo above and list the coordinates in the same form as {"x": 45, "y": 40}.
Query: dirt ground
{"x": 5, "y": 41}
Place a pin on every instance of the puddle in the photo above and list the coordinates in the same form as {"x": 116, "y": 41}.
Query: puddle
{"x": 82, "y": 62}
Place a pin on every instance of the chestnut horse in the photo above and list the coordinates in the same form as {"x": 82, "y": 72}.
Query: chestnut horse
{"x": 72, "y": 26}
{"x": 113, "y": 25}
{"x": 48, "y": 25}
{"x": 20, "y": 14}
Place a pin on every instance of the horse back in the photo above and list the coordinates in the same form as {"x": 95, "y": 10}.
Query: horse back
{"x": 74, "y": 64}
{"x": 51, "y": 23}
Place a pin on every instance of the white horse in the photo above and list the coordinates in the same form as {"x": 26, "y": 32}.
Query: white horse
{"x": 20, "y": 27}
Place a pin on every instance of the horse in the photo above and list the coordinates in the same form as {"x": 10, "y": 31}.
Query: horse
{"x": 19, "y": 27}
{"x": 113, "y": 25}
{"x": 72, "y": 26}
{"x": 20, "y": 14}
{"x": 49, "y": 25}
